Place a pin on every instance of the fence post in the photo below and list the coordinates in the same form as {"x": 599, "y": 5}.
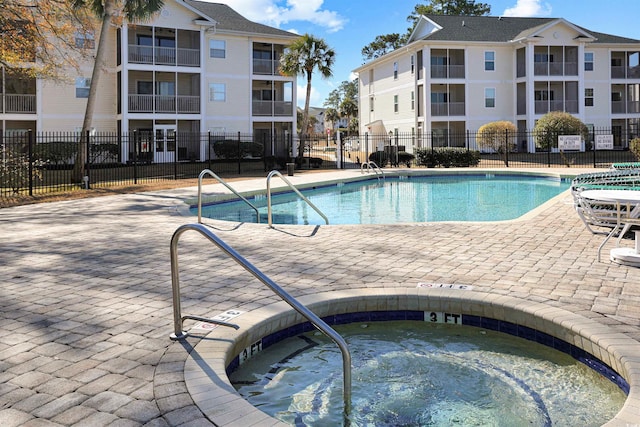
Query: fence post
{"x": 209, "y": 149}
{"x": 549, "y": 149}
{"x": 506, "y": 147}
{"x": 135, "y": 155}
{"x": 239, "y": 154}
{"x": 30, "y": 133}
{"x": 175, "y": 153}
{"x": 86, "y": 176}
{"x": 593, "y": 138}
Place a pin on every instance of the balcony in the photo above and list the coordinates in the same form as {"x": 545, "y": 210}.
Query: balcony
{"x": 555, "y": 68}
{"x": 544, "y": 107}
{"x": 447, "y": 108}
{"x": 621, "y": 107}
{"x": 447, "y": 71}
{"x": 19, "y": 104}
{"x": 180, "y": 104}
{"x": 268, "y": 67}
{"x": 151, "y": 55}
{"x": 272, "y": 108}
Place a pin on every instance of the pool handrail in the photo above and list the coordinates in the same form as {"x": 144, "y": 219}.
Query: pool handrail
{"x": 223, "y": 182}
{"x": 373, "y": 166}
{"x": 286, "y": 181}
{"x": 316, "y": 321}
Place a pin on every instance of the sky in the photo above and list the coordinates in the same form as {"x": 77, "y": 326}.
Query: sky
{"x": 349, "y": 25}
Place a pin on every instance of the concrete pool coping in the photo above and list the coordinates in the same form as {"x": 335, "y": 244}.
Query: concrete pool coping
{"x": 211, "y": 390}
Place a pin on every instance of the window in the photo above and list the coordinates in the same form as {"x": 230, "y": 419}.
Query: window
{"x": 616, "y": 96}
{"x": 489, "y": 61}
{"x": 439, "y": 98}
{"x": 588, "y": 97}
{"x": 395, "y": 103}
{"x": 395, "y": 71}
{"x": 413, "y": 100}
{"x": 217, "y": 48}
{"x": 85, "y": 40}
{"x": 82, "y": 87}
{"x": 413, "y": 65}
{"x": 588, "y": 61}
{"x": 489, "y": 97}
{"x": 543, "y": 95}
{"x": 542, "y": 58}
{"x": 217, "y": 92}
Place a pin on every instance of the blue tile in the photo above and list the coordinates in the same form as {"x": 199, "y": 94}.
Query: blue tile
{"x": 491, "y": 324}
{"x": 526, "y": 333}
{"x": 509, "y": 328}
{"x": 471, "y": 320}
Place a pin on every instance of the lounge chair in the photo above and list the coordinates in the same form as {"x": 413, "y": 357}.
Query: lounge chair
{"x": 600, "y": 217}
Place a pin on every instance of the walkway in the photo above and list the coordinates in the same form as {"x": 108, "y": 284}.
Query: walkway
{"x": 86, "y": 292}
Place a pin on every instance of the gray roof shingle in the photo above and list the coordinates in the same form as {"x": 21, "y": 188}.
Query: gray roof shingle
{"x": 229, "y": 20}
{"x": 500, "y": 29}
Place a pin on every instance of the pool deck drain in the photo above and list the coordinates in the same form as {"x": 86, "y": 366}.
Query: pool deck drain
{"x": 86, "y": 297}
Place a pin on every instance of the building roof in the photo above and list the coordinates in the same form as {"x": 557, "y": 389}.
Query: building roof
{"x": 228, "y": 20}
{"x": 498, "y": 29}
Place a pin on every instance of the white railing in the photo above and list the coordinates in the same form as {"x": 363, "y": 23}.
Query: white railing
{"x": 164, "y": 103}
{"x": 139, "y": 54}
{"x": 20, "y": 103}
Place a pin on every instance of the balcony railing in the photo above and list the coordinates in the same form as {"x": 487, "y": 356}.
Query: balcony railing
{"x": 139, "y": 54}
{"x": 447, "y": 108}
{"x": 266, "y": 67}
{"x": 272, "y": 108}
{"x": 19, "y": 103}
{"x": 619, "y": 72}
{"x": 569, "y": 106}
{"x": 621, "y": 107}
{"x": 447, "y": 71}
{"x": 555, "y": 68}
{"x": 183, "y": 104}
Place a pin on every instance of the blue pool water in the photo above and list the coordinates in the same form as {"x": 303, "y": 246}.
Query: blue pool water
{"x": 402, "y": 200}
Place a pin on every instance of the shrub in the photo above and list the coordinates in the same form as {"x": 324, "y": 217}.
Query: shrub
{"x": 406, "y": 158}
{"x": 555, "y": 123}
{"x": 447, "y": 157}
{"x": 499, "y": 137}
{"x": 231, "y": 148}
{"x": 634, "y": 147}
{"x": 379, "y": 157}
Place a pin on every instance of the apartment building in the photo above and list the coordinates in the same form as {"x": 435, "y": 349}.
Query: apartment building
{"x": 196, "y": 67}
{"x": 457, "y": 73}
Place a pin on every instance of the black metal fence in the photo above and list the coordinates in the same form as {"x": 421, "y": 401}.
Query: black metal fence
{"x": 34, "y": 163}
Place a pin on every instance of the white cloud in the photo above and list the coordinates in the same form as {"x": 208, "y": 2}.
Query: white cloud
{"x": 277, "y": 12}
{"x": 527, "y": 8}
{"x": 314, "y": 100}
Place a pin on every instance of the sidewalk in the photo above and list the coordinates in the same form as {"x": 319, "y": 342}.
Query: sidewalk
{"x": 87, "y": 305}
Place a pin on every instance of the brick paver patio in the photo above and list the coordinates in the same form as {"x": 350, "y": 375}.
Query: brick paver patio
{"x": 86, "y": 290}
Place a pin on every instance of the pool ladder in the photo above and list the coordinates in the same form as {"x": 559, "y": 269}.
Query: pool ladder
{"x": 223, "y": 182}
{"x": 286, "y": 181}
{"x": 370, "y": 165}
{"x": 316, "y": 321}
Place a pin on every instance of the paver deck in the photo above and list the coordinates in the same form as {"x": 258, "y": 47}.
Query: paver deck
{"x": 86, "y": 290}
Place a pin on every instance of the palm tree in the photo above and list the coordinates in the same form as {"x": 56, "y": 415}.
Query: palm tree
{"x": 348, "y": 109}
{"x": 107, "y": 11}
{"x": 304, "y": 56}
{"x": 331, "y": 115}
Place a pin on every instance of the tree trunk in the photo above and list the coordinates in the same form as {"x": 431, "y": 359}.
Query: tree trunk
{"x": 305, "y": 117}
{"x": 79, "y": 168}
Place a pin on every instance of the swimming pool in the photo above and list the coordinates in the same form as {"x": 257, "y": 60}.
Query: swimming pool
{"x": 402, "y": 199}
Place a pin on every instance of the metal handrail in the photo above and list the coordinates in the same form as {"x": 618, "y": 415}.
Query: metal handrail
{"x": 223, "y": 182}
{"x": 373, "y": 166}
{"x": 275, "y": 172}
{"x": 300, "y": 308}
